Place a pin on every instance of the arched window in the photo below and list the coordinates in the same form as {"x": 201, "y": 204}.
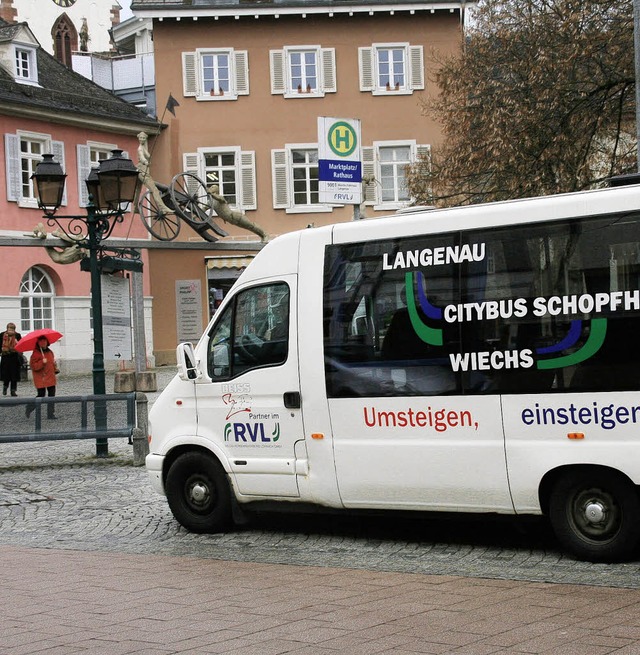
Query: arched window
{"x": 65, "y": 39}
{"x": 36, "y": 300}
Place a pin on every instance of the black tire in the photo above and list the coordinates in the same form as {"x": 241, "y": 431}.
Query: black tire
{"x": 198, "y": 493}
{"x": 595, "y": 515}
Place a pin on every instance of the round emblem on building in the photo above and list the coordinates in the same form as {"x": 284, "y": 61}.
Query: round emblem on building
{"x": 64, "y": 3}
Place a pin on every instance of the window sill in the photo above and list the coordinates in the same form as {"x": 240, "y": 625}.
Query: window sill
{"x": 295, "y": 94}
{"x": 28, "y": 203}
{"x": 206, "y": 98}
{"x": 26, "y": 82}
{"x": 399, "y": 92}
{"x": 309, "y": 209}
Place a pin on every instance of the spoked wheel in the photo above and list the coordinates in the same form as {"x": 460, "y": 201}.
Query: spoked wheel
{"x": 191, "y": 198}
{"x": 161, "y": 225}
{"x": 198, "y": 493}
{"x": 596, "y": 515}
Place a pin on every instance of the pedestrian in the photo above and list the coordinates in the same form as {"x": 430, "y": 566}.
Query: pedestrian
{"x": 44, "y": 370}
{"x": 11, "y": 360}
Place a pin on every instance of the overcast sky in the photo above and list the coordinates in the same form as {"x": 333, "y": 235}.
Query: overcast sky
{"x": 126, "y": 12}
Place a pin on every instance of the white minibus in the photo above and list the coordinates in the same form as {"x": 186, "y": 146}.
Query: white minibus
{"x": 478, "y": 359}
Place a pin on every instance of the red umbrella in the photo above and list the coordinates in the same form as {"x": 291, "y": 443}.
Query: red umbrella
{"x": 30, "y": 341}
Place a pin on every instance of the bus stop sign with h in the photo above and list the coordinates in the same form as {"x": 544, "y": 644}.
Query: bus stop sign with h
{"x": 339, "y": 161}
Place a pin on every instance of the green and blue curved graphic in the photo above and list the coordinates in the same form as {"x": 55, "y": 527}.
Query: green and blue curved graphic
{"x": 597, "y": 334}
{"x": 432, "y": 336}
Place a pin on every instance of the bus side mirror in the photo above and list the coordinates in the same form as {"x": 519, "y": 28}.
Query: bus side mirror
{"x": 187, "y": 364}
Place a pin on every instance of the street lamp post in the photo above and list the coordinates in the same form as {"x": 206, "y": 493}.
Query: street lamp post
{"x": 112, "y": 186}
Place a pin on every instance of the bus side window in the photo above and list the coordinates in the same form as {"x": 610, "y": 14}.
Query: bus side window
{"x": 219, "y": 359}
{"x": 253, "y": 332}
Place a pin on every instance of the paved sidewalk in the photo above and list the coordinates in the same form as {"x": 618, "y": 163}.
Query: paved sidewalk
{"x": 188, "y": 601}
{"x": 63, "y": 602}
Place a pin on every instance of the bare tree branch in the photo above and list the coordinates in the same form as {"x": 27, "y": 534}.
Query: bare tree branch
{"x": 539, "y": 101}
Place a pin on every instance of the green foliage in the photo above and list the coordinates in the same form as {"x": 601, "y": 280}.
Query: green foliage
{"x": 539, "y": 101}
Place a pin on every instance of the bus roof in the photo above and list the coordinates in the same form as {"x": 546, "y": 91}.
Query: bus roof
{"x": 496, "y": 214}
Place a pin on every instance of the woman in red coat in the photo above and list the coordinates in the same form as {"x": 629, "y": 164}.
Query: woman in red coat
{"x": 43, "y": 368}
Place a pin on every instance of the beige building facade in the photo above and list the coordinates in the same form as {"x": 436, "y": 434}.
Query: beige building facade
{"x": 251, "y": 80}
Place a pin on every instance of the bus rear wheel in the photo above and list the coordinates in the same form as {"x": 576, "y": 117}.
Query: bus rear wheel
{"x": 198, "y": 493}
{"x": 595, "y": 515}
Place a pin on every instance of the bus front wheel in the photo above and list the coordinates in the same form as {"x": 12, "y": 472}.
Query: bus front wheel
{"x": 595, "y": 515}
{"x": 198, "y": 493}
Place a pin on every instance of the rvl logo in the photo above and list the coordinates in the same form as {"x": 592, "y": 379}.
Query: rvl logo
{"x": 251, "y": 432}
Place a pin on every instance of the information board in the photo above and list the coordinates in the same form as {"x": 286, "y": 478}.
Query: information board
{"x": 116, "y": 318}
{"x": 188, "y": 310}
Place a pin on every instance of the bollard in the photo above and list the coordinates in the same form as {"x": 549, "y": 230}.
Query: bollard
{"x": 124, "y": 382}
{"x": 140, "y": 447}
{"x": 140, "y": 441}
{"x": 146, "y": 381}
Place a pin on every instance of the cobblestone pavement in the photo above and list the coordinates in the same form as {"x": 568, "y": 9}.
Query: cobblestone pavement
{"x": 58, "y": 495}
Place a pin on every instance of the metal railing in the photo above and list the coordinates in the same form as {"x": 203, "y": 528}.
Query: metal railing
{"x": 75, "y": 417}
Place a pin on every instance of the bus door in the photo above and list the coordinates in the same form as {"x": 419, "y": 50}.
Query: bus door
{"x": 251, "y": 407}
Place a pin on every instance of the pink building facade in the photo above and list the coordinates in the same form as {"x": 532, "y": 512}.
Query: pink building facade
{"x": 55, "y": 110}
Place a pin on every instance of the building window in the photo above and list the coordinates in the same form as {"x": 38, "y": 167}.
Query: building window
{"x": 303, "y": 71}
{"x": 65, "y": 39}
{"x": 387, "y": 163}
{"x": 26, "y": 67}
{"x": 233, "y": 170}
{"x": 221, "y": 74}
{"x": 99, "y": 153}
{"x": 36, "y": 300}
{"x": 393, "y": 162}
{"x": 304, "y": 169}
{"x": 216, "y": 74}
{"x": 23, "y": 66}
{"x": 391, "y": 68}
{"x": 23, "y": 152}
{"x": 220, "y": 169}
{"x": 31, "y": 151}
{"x": 295, "y": 179}
{"x": 89, "y": 155}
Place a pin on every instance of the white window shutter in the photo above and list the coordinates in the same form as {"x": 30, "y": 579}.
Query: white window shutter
{"x": 189, "y": 74}
{"x": 12, "y": 161}
{"x": 84, "y": 168}
{"x": 280, "y": 166}
{"x": 277, "y": 71}
{"x": 369, "y": 170}
{"x": 416, "y": 62}
{"x": 191, "y": 163}
{"x": 328, "y": 70}
{"x": 365, "y": 65}
{"x": 241, "y": 58}
{"x": 57, "y": 148}
{"x": 248, "y": 177}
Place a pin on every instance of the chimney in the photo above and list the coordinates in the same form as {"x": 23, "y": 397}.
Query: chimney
{"x": 8, "y": 12}
{"x": 115, "y": 15}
